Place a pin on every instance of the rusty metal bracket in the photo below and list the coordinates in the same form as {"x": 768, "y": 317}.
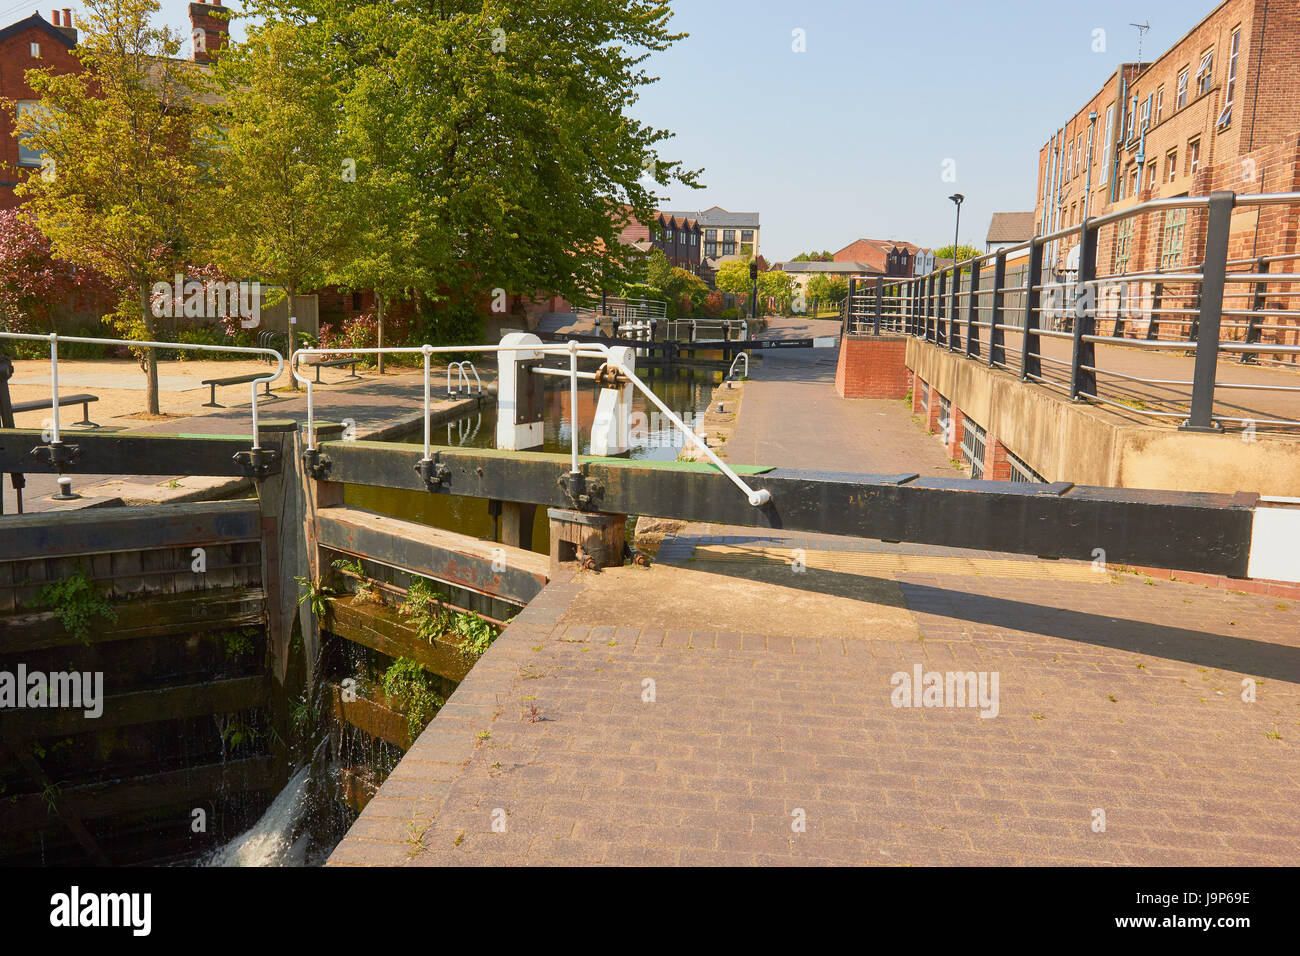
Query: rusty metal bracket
{"x": 257, "y": 463}
{"x": 58, "y": 455}
{"x": 612, "y": 376}
{"x": 317, "y": 463}
{"x": 583, "y": 493}
{"x": 433, "y": 472}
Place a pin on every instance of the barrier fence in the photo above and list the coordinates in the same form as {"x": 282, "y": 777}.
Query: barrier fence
{"x": 1003, "y": 316}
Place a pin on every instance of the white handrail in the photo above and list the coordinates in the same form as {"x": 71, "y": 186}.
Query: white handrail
{"x": 573, "y": 349}
{"x": 54, "y": 339}
{"x": 732, "y": 371}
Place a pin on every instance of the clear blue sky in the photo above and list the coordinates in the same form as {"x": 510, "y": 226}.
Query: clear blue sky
{"x": 814, "y": 141}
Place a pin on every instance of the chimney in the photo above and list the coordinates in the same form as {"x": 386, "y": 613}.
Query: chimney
{"x": 67, "y": 16}
{"x": 54, "y": 17}
{"x": 209, "y": 29}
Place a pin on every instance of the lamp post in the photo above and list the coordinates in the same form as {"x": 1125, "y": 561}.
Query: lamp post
{"x": 957, "y": 198}
{"x": 753, "y": 289}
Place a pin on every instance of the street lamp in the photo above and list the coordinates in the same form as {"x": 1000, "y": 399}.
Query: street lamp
{"x": 957, "y": 198}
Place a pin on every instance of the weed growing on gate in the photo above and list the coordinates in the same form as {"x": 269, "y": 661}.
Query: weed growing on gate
{"x": 76, "y": 604}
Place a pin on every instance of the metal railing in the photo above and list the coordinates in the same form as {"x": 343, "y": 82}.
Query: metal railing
{"x": 1220, "y": 306}
{"x": 574, "y": 350}
{"x": 462, "y": 378}
{"x": 54, "y": 339}
{"x": 622, "y": 309}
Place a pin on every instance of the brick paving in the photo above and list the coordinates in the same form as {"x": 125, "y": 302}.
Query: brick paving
{"x": 1122, "y": 734}
{"x": 1128, "y": 703}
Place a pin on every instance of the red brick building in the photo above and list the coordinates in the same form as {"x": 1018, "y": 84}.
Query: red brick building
{"x": 1219, "y": 110}
{"x": 677, "y": 237}
{"x": 888, "y": 256}
{"x": 39, "y": 44}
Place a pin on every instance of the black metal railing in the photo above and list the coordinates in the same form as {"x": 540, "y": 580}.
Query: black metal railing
{"x": 1019, "y": 310}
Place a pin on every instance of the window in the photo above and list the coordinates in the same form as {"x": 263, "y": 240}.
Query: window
{"x": 1151, "y": 174}
{"x": 1193, "y": 156}
{"x": 710, "y": 235}
{"x": 1181, "y": 100}
{"x": 1172, "y": 249}
{"x": 26, "y": 155}
{"x": 668, "y": 236}
{"x": 1107, "y": 144}
{"x": 747, "y": 235}
{"x": 1123, "y": 244}
{"x": 728, "y": 235}
{"x": 1226, "y": 116}
{"x": 728, "y": 248}
{"x": 1146, "y": 114}
{"x": 1205, "y": 74}
{"x": 1133, "y": 180}
{"x": 1172, "y": 169}
{"x": 1132, "y": 114}
{"x": 1069, "y": 160}
{"x": 710, "y": 249}
{"x": 1160, "y": 103}
{"x": 36, "y": 51}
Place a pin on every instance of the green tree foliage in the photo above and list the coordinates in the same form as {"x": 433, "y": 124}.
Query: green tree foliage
{"x": 828, "y": 288}
{"x": 491, "y": 138}
{"x": 964, "y": 252}
{"x": 682, "y": 290}
{"x": 778, "y": 287}
{"x": 733, "y": 277}
{"x": 283, "y": 215}
{"x": 130, "y": 155}
{"x": 823, "y": 256}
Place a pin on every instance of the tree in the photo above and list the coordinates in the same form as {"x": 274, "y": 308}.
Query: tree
{"x": 964, "y": 252}
{"x": 129, "y": 158}
{"x": 493, "y": 145}
{"x": 733, "y": 277}
{"x": 828, "y": 288}
{"x": 35, "y": 287}
{"x": 776, "y": 286}
{"x": 824, "y": 256}
{"x": 284, "y": 214}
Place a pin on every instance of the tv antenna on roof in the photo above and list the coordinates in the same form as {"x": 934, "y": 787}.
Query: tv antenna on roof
{"x": 1142, "y": 29}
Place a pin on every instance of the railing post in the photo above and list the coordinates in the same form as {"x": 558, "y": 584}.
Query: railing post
{"x": 954, "y": 330}
{"x": 1212, "y": 284}
{"x": 930, "y": 280}
{"x": 940, "y": 330}
{"x": 997, "y": 352}
{"x": 847, "y": 325}
{"x": 972, "y": 313}
{"x": 1030, "y": 364}
{"x": 1153, "y": 321}
{"x": 1083, "y": 358}
{"x": 880, "y": 301}
{"x": 1256, "y": 305}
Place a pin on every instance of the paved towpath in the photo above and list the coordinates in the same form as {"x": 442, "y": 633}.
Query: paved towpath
{"x": 733, "y": 706}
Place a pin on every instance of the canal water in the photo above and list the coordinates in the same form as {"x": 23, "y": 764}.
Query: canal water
{"x": 686, "y": 392}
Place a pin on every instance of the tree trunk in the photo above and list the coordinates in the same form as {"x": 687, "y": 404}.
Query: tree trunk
{"x": 150, "y": 356}
{"x": 380, "y": 311}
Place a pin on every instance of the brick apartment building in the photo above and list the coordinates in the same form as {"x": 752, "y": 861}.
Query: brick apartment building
{"x": 727, "y": 235}
{"x": 888, "y": 256}
{"x": 676, "y": 236}
{"x": 36, "y": 44}
{"x": 1218, "y": 110}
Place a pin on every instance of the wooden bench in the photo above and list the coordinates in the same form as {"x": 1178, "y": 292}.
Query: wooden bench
{"x": 232, "y": 380}
{"x": 82, "y": 400}
{"x": 335, "y": 363}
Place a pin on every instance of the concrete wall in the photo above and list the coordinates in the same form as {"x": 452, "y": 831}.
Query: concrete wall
{"x": 1063, "y": 441}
